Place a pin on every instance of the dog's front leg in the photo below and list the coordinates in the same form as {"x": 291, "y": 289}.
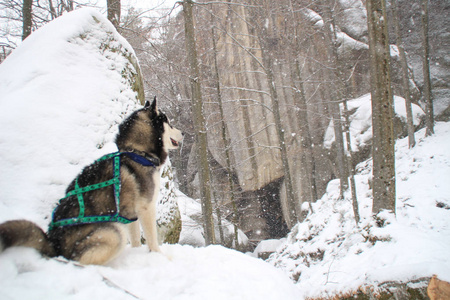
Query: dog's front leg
{"x": 147, "y": 218}
{"x": 134, "y": 233}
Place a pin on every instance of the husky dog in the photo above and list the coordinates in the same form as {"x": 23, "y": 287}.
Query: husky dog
{"x": 108, "y": 197}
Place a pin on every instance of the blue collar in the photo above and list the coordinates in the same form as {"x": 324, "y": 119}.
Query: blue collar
{"x": 145, "y": 160}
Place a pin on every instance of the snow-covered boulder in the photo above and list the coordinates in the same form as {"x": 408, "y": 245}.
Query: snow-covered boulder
{"x": 62, "y": 93}
{"x": 360, "y": 118}
{"x": 192, "y": 232}
{"x": 266, "y": 247}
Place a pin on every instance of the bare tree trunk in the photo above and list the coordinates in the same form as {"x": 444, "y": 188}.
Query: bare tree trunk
{"x": 225, "y": 142}
{"x": 405, "y": 76}
{"x": 52, "y": 10}
{"x": 305, "y": 135}
{"x": 302, "y": 113}
{"x": 219, "y": 216}
{"x": 199, "y": 123}
{"x": 114, "y": 12}
{"x": 426, "y": 71}
{"x": 27, "y": 18}
{"x": 345, "y": 162}
{"x": 336, "y": 96}
{"x": 382, "y": 108}
{"x": 350, "y": 163}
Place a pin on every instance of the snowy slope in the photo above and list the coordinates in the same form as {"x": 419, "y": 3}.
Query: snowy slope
{"x": 60, "y": 102}
{"x": 328, "y": 255}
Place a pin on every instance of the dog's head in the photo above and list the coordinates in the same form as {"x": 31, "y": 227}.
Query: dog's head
{"x": 148, "y": 130}
{"x": 170, "y": 136}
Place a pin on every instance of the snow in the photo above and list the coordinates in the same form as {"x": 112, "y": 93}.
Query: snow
{"x": 328, "y": 255}
{"x": 184, "y": 272}
{"x": 361, "y": 120}
{"x": 315, "y": 19}
{"x": 268, "y": 246}
{"x": 62, "y": 95}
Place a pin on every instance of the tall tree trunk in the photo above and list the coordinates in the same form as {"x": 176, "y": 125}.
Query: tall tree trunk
{"x": 27, "y": 18}
{"x": 199, "y": 123}
{"x": 336, "y": 96}
{"x": 345, "y": 162}
{"x": 114, "y": 12}
{"x": 219, "y": 215}
{"x": 305, "y": 135}
{"x": 382, "y": 108}
{"x": 426, "y": 71}
{"x": 302, "y": 113}
{"x": 405, "y": 76}
{"x": 350, "y": 163}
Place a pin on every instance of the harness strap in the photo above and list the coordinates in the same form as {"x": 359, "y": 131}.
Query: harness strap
{"x": 79, "y": 191}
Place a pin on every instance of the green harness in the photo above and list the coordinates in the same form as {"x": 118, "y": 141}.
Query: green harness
{"x": 115, "y": 181}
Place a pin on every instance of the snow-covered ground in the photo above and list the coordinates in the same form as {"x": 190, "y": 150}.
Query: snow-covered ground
{"x": 184, "y": 272}
{"x": 328, "y": 255}
{"x": 62, "y": 94}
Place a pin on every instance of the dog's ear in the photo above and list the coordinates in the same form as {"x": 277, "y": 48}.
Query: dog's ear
{"x": 154, "y": 105}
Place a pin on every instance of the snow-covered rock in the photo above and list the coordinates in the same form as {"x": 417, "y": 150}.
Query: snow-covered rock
{"x": 192, "y": 232}
{"x": 62, "y": 93}
{"x": 360, "y": 110}
{"x": 266, "y": 247}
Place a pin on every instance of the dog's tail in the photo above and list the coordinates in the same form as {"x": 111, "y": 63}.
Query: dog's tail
{"x": 26, "y": 234}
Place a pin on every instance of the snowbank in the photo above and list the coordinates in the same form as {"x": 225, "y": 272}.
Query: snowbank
{"x": 328, "y": 255}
